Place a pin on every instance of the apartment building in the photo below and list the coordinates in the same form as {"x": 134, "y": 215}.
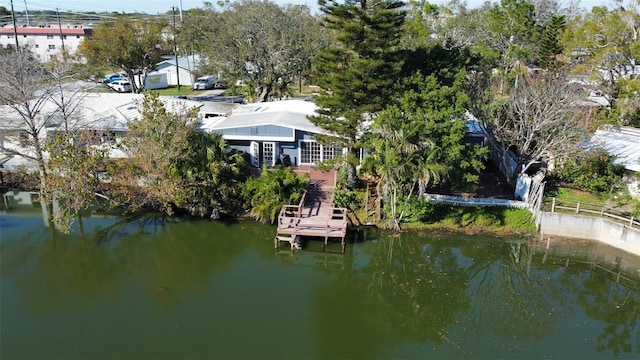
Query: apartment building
{"x": 46, "y": 42}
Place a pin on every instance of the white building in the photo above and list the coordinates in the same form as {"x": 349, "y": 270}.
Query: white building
{"x": 185, "y": 71}
{"x": 104, "y": 117}
{"x": 623, "y": 143}
{"x": 45, "y": 42}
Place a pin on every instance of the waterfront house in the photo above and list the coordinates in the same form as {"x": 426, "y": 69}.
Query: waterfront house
{"x": 273, "y": 132}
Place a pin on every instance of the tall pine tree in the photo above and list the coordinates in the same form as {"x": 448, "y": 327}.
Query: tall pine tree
{"x": 550, "y": 43}
{"x": 359, "y": 72}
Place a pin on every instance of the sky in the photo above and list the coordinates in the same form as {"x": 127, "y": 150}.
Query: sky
{"x": 162, "y": 6}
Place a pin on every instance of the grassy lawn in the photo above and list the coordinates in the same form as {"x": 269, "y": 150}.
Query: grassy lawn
{"x": 170, "y": 91}
{"x": 617, "y": 200}
{"x": 473, "y": 220}
{"x": 576, "y": 195}
{"x": 173, "y": 91}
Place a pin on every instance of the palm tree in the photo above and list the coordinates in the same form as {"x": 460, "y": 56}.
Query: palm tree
{"x": 215, "y": 174}
{"x": 403, "y": 157}
{"x": 272, "y": 190}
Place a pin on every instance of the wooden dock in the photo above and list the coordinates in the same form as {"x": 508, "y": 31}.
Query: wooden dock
{"x": 315, "y": 216}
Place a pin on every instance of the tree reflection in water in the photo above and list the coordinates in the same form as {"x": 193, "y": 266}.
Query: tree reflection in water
{"x": 606, "y": 285}
{"x": 452, "y": 294}
{"x": 100, "y": 259}
{"x": 425, "y": 288}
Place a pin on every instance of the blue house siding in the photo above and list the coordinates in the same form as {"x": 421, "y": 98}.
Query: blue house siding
{"x": 290, "y": 148}
{"x": 267, "y": 132}
{"x": 239, "y": 145}
{"x": 264, "y": 131}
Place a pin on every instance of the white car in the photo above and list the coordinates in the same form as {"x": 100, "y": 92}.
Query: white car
{"x": 203, "y": 83}
{"x": 120, "y": 86}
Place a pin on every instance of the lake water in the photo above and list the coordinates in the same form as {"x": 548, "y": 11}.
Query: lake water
{"x": 134, "y": 289}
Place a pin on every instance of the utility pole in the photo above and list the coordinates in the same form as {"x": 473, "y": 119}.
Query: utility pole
{"x": 180, "y": 11}
{"x": 26, "y": 11}
{"x": 175, "y": 45}
{"x": 15, "y": 29}
{"x": 61, "y": 35}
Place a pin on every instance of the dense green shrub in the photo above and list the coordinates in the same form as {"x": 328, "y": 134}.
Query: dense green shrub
{"x": 419, "y": 210}
{"x": 273, "y": 189}
{"x": 593, "y": 172}
{"x": 348, "y": 199}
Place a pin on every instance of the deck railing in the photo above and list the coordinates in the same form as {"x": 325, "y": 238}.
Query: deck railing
{"x": 288, "y": 218}
{"x": 293, "y": 210}
{"x": 577, "y": 207}
{"x": 338, "y": 214}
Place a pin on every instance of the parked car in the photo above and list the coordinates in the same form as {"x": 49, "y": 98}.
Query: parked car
{"x": 219, "y": 85}
{"x": 113, "y": 77}
{"x": 120, "y": 86}
{"x": 203, "y": 83}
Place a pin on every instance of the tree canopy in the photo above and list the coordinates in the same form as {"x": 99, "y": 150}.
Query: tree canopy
{"x": 261, "y": 43}
{"x": 214, "y": 176}
{"x": 538, "y": 122}
{"x": 133, "y": 45}
{"x": 155, "y": 144}
{"x": 393, "y": 81}
{"x": 550, "y": 46}
{"x": 357, "y": 75}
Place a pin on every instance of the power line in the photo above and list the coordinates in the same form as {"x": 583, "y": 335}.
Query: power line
{"x": 52, "y": 5}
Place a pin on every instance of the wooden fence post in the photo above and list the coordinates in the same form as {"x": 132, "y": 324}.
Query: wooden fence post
{"x": 553, "y": 205}
{"x": 366, "y": 204}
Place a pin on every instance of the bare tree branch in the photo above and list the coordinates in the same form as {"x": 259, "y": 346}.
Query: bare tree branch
{"x": 540, "y": 121}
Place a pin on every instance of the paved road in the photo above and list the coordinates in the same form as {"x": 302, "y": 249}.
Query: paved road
{"x": 78, "y": 86}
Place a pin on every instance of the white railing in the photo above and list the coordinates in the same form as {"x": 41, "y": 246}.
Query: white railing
{"x": 618, "y": 215}
{"x": 462, "y": 201}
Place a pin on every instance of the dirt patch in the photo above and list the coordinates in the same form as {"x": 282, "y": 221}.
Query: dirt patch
{"x": 492, "y": 184}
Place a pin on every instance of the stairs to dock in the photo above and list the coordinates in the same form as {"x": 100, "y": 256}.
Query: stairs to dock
{"x": 315, "y": 216}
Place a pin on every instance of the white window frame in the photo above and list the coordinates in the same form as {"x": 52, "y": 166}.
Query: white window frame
{"x": 265, "y": 159}
{"x": 254, "y": 152}
{"x": 336, "y": 153}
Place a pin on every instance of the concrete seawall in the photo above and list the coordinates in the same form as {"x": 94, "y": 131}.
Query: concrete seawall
{"x": 591, "y": 228}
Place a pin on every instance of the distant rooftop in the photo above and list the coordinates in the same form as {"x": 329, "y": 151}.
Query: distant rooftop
{"x": 102, "y": 110}
{"x": 190, "y": 62}
{"x": 621, "y": 142}
{"x": 47, "y": 30}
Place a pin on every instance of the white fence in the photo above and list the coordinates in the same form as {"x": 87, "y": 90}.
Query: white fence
{"x": 462, "y": 201}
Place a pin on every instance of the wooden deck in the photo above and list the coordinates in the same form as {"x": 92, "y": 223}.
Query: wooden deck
{"x": 315, "y": 216}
